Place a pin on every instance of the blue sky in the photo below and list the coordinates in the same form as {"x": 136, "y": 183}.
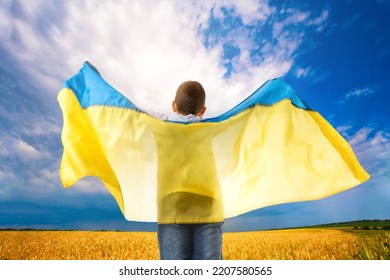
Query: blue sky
{"x": 336, "y": 54}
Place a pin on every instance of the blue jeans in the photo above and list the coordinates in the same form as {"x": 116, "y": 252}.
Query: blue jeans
{"x": 190, "y": 241}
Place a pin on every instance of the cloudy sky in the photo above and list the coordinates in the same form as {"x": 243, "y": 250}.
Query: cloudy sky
{"x": 335, "y": 53}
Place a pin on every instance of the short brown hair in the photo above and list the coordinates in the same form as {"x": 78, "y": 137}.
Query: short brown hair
{"x": 190, "y": 98}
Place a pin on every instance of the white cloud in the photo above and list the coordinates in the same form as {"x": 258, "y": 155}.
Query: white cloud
{"x": 4, "y": 175}
{"x": 147, "y": 48}
{"x": 310, "y": 74}
{"x": 360, "y": 137}
{"x": 302, "y": 72}
{"x": 301, "y": 19}
{"x": 293, "y": 17}
{"x": 25, "y": 150}
{"x": 90, "y": 185}
{"x": 358, "y": 93}
{"x": 45, "y": 178}
{"x": 372, "y": 148}
{"x": 250, "y": 11}
{"x": 19, "y": 149}
{"x": 289, "y": 32}
{"x": 343, "y": 129}
{"x": 361, "y": 92}
{"x": 320, "y": 21}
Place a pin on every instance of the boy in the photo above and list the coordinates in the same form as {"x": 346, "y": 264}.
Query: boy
{"x": 177, "y": 237}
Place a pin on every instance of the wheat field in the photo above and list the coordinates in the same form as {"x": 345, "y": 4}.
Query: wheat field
{"x": 301, "y": 244}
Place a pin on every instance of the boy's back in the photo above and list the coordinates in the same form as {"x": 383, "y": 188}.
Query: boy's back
{"x": 189, "y": 199}
{"x": 188, "y": 190}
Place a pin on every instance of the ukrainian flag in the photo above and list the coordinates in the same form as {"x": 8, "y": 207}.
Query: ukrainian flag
{"x": 270, "y": 149}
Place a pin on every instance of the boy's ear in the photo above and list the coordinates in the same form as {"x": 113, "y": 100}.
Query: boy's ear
{"x": 201, "y": 112}
{"x": 174, "y": 106}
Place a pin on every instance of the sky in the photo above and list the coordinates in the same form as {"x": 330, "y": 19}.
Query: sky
{"x": 334, "y": 53}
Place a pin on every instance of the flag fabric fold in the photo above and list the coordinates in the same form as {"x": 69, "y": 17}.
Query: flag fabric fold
{"x": 272, "y": 148}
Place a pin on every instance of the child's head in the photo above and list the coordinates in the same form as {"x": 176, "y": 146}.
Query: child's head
{"x": 190, "y": 99}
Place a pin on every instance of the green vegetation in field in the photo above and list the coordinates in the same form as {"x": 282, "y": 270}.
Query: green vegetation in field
{"x": 373, "y": 245}
{"x": 362, "y": 224}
